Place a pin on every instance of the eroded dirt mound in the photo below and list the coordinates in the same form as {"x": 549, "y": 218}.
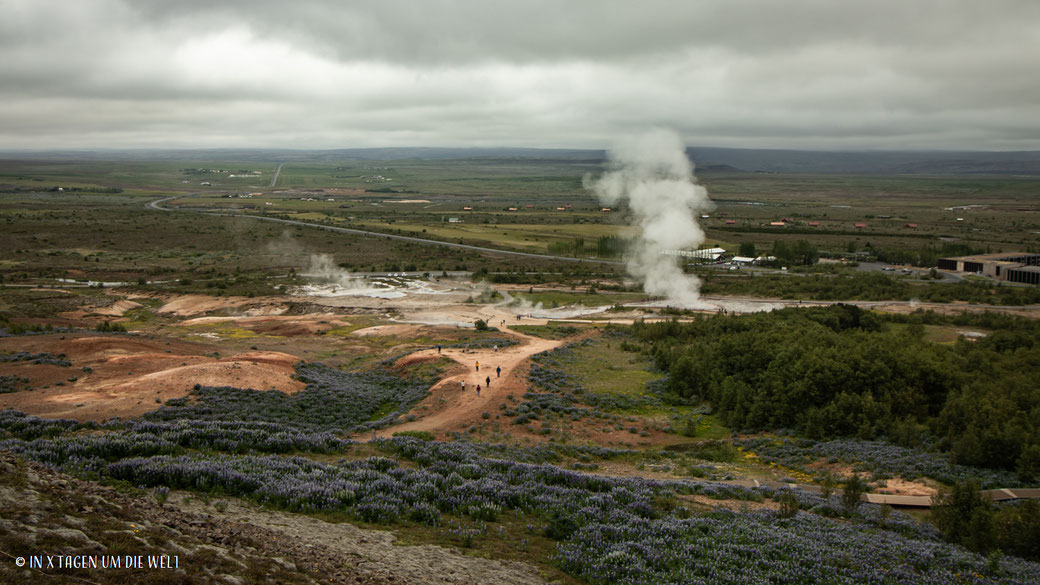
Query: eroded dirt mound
{"x": 275, "y": 358}
{"x": 281, "y": 325}
{"x": 188, "y": 305}
{"x": 388, "y": 331}
{"x": 102, "y": 346}
{"x": 116, "y": 309}
{"x": 415, "y": 359}
{"x": 177, "y": 381}
{"x": 126, "y": 376}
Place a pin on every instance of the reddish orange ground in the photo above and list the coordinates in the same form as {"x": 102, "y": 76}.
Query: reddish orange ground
{"x": 130, "y": 374}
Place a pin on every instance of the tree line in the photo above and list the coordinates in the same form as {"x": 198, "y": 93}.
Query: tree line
{"x": 840, "y": 371}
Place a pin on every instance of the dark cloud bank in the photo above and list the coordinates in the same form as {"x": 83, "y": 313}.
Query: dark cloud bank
{"x": 821, "y": 74}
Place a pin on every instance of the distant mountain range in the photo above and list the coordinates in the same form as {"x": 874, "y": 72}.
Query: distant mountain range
{"x": 707, "y": 159}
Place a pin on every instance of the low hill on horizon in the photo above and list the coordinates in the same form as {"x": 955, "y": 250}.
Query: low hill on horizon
{"x": 707, "y": 159}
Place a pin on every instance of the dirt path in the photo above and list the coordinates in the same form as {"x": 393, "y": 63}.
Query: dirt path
{"x": 449, "y": 407}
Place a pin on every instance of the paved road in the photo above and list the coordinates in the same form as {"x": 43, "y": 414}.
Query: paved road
{"x": 157, "y": 205}
{"x": 277, "y": 171}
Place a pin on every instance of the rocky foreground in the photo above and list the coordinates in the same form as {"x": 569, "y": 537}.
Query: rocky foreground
{"x": 46, "y": 513}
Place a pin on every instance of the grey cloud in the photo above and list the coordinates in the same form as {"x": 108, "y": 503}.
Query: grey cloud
{"x": 812, "y": 73}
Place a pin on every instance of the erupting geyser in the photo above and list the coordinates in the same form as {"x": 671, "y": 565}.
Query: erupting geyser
{"x": 653, "y": 174}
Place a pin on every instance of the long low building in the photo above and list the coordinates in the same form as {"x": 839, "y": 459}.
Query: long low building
{"x": 1007, "y": 266}
{"x": 702, "y": 254}
{"x": 1025, "y": 274}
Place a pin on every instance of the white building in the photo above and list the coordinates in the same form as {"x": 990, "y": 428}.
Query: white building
{"x": 705, "y": 254}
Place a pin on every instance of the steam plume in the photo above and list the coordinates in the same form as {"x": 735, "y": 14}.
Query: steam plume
{"x": 323, "y": 267}
{"x": 653, "y": 174}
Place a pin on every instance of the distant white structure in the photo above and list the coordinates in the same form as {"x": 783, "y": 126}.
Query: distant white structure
{"x": 704, "y": 254}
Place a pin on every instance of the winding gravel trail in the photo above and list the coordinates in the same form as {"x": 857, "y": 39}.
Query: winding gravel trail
{"x": 449, "y": 407}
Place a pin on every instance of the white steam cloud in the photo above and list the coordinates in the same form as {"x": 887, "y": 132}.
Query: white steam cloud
{"x": 654, "y": 175}
{"x": 323, "y": 267}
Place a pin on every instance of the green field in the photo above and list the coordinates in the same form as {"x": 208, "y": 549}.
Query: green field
{"x": 603, "y": 367}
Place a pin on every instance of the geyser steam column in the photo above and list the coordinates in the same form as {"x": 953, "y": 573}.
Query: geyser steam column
{"x": 653, "y": 174}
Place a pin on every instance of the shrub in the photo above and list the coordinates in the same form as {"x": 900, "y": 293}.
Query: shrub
{"x": 852, "y": 493}
{"x": 788, "y": 505}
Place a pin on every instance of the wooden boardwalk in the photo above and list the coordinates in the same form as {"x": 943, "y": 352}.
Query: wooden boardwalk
{"x": 998, "y": 495}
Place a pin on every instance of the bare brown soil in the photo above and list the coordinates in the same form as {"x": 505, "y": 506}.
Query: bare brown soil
{"x": 735, "y": 505}
{"x": 388, "y": 331}
{"x": 117, "y": 309}
{"x": 895, "y": 486}
{"x": 279, "y": 325}
{"x": 127, "y": 376}
{"x": 189, "y": 305}
{"x": 901, "y": 487}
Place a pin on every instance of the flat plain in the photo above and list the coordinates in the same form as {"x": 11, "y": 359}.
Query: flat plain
{"x": 172, "y": 346}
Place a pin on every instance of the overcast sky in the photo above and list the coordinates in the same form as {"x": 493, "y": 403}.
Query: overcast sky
{"x": 834, "y": 74}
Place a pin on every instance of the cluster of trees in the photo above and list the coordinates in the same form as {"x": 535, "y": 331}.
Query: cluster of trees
{"x": 858, "y": 286}
{"x": 604, "y": 247}
{"x": 111, "y": 327}
{"x": 799, "y": 253}
{"x": 966, "y": 517}
{"x": 575, "y": 247}
{"x": 869, "y": 286}
{"x": 611, "y": 246}
{"x": 841, "y": 371}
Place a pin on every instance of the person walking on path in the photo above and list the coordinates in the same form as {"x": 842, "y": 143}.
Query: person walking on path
{"x": 478, "y": 366}
{"x": 463, "y": 385}
{"x": 478, "y": 390}
{"x": 488, "y": 380}
{"x": 498, "y": 372}
{"x": 438, "y": 348}
{"x": 496, "y": 347}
